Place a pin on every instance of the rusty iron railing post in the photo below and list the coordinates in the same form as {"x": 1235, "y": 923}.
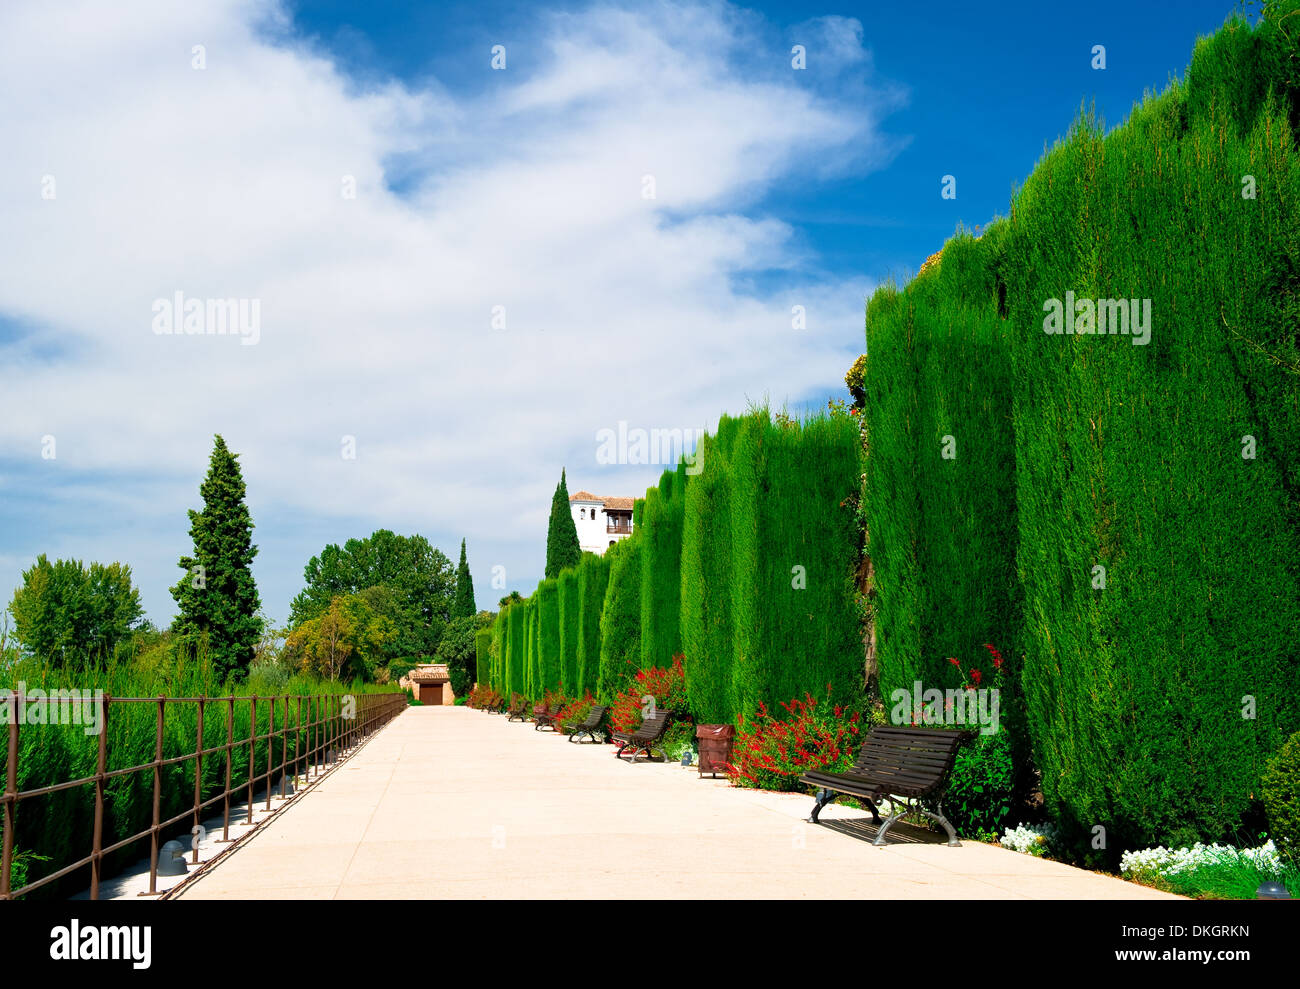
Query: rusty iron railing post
{"x": 101, "y": 769}
{"x": 270, "y": 745}
{"x": 284, "y": 749}
{"x": 156, "y": 829}
{"x": 252, "y": 749}
{"x": 10, "y": 798}
{"x": 198, "y": 783}
{"x": 230, "y": 745}
{"x": 297, "y": 736}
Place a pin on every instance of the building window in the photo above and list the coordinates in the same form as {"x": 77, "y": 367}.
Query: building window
{"x": 611, "y": 542}
{"x": 582, "y": 513}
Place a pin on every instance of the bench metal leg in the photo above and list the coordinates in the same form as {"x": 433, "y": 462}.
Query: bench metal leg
{"x": 824, "y": 799}
{"x": 938, "y": 818}
{"x": 896, "y": 811}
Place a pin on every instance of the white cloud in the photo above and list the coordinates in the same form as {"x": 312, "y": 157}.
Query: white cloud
{"x": 225, "y": 182}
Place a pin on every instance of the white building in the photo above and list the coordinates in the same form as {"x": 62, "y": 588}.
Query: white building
{"x": 601, "y": 522}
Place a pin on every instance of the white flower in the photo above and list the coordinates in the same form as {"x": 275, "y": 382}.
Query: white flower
{"x": 1165, "y": 862}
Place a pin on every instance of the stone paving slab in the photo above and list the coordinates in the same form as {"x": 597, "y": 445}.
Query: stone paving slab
{"x": 447, "y": 802}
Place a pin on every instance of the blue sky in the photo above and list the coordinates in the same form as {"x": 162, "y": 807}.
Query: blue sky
{"x": 521, "y": 188}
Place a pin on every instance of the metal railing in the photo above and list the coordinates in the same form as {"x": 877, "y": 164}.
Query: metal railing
{"x": 327, "y": 732}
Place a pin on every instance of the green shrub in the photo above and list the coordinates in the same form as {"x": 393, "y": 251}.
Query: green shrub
{"x": 1280, "y": 792}
{"x": 981, "y": 792}
{"x": 482, "y": 655}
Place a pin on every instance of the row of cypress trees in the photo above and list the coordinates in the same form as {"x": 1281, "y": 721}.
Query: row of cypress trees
{"x": 759, "y": 599}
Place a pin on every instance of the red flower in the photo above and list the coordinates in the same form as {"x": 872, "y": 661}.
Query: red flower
{"x": 975, "y": 675}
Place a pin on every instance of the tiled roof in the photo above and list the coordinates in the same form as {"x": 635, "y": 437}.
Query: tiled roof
{"x": 429, "y": 673}
{"x": 615, "y": 504}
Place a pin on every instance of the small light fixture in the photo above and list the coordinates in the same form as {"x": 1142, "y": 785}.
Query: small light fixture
{"x": 687, "y": 757}
{"x": 1272, "y": 891}
{"x": 171, "y": 859}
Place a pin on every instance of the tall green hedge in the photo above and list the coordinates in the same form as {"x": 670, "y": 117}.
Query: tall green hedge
{"x": 794, "y": 555}
{"x": 569, "y": 630}
{"x": 941, "y": 476}
{"x": 536, "y": 684}
{"x": 661, "y": 569}
{"x": 620, "y": 620}
{"x": 500, "y": 642}
{"x": 482, "y": 654}
{"x": 1136, "y": 458}
{"x": 593, "y": 578}
{"x": 518, "y": 653}
{"x": 548, "y": 636}
{"x": 706, "y": 582}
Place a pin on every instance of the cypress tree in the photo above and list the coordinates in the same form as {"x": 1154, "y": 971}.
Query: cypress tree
{"x": 217, "y": 596}
{"x": 562, "y": 549}
{"x": 463, "y": 605}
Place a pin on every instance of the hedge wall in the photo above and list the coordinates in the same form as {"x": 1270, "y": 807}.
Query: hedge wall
{"x": 620, "y": 620}
{"x": 548, "y": 637}
{"x": 661, "y": 570}
{"x": 569, "y": 632}
{"x": 593, "y": 579}
{"x": 941, "y": 475}
{"x": 482, "y": 655}
{"x": 1139, "y": 459}
{"x": 706, "y": 586}
{"x": 794, "y": 554}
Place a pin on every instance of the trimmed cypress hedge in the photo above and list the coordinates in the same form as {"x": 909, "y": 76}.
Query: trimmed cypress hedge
{"x": 535, "y": 682}
{"x": 1133, "y": 458}
{"x": 661, "y": 570}
{"x": 548, "y": 636}
{"x": 517, "y": 666}
{"x": 593, "y": 578}
{"x": 941, "y": 476}
{"x": 500, "y": 642}
{"x": 795, "y": 550}
{"x": 1154, "y": 688}
{"x": 569, "y": 631}
{"x": 482, "y": 655}
{"x": 620, "y": 620}
{"x": 706, "y": 581}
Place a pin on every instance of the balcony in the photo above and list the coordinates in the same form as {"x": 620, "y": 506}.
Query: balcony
{"x": 619, "y": 528}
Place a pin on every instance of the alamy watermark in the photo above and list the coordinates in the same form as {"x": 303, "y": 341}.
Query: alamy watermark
{"x": 64, "y": 706}
{"x": 1099, "y": 317}
{"x": 179, "y": 316}
{"x": 965, "y": 706}
{"x": 666, "y": 447}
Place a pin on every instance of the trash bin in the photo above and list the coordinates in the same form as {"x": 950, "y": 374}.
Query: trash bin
{"x": 714, "y": 743}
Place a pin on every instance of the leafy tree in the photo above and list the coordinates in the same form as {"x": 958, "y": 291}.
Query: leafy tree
{"x": 217, "y": 596}
{"x": 512, "y": 598}
{"x": 420, "y": 578}
{"x": 348, "y": 639}
{"x": 66, "y": 612}
{"x": 562, "y": 547}
{"x": 463, "y": 606}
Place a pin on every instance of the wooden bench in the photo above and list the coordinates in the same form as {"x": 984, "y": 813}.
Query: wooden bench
{"x": 646, "y": 738}
{"x": 518, "y": 709}
{"x": 546, "y": 717}
{"x": 589, "y": 724}
{"x": 898, "y": 763}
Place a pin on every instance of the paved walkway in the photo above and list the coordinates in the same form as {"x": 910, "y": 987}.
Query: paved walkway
{"x": 450, "y": 802}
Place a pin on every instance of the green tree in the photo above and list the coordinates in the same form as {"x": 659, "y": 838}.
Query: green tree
{"x": 459, "y": 652}
{"x": 217, "y": 596}
{"x": 420, "y": 577}
{"x": 66, "y": 613}
{"x": 463, "y": 606}
{"x": 562, "y": 548}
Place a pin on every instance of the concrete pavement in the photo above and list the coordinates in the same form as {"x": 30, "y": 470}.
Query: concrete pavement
{"x": 448, "y": 802}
